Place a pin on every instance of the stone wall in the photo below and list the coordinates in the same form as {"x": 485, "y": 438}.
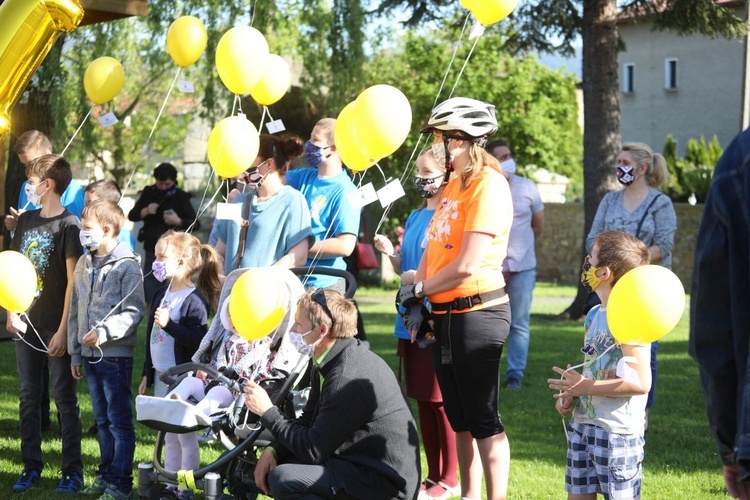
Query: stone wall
{"x": 558, "y": 249}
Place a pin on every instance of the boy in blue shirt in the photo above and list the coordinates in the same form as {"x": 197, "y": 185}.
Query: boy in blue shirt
{"x": 106, "y": 306}
{"x": 608, "y": 400}
{"x": 49, "y": 238}
{"x": 326, "y": 185}
{"x": 108, "y": 190}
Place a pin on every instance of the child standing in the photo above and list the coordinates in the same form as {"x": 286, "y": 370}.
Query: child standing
{"x": 107, "y": 304}
{"x": 607, "y": 401}
{"x": 178, "y": 322}
{"x": 49, "y": 238}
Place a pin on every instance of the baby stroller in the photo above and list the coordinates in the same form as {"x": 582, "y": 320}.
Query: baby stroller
{"x": 239, "y": 432}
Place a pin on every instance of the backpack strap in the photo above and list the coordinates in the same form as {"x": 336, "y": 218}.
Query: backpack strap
{"x": 638, "y": 230}
{"x": 243, "y": 232}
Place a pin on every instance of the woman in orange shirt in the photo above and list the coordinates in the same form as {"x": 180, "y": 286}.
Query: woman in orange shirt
{"x": 461, "y": 275}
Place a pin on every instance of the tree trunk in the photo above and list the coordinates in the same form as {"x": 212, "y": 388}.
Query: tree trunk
{"x": 601, "y": 132}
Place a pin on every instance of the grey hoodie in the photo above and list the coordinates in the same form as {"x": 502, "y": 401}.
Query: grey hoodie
{"x": 118, "y": 279}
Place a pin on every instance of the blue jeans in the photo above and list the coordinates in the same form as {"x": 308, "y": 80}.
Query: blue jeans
{"x": 520, "y": 288}
{"x": 111, "y": 399}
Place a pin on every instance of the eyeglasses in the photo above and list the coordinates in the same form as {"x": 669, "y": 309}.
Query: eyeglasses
{"x": 319, "y": 297}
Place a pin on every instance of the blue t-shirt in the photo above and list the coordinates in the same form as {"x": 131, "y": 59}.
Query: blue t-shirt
{"x": 331, "y": 213}
{"x": 412, "y": 248}
{"x": 126, "y": 237}
{"x": 276, "y": 226}
{"x": 71, "y": 199}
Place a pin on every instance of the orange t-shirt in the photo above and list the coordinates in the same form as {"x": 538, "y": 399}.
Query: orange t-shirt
{"x": 485, "y": 206}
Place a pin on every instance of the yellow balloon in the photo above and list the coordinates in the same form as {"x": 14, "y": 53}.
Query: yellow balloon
{"x": 103, "y": 79}
{"x": 233, "y": 146}
{"x": 491, "y": 11}
{"x": 645, "y": 305}
{"x": 186, "y": 40}
{"x": 18, "y": 281}
{"x": 347, "y": 145}
{"x": 256, "y": 302}
{"x": 241, "y": 58}
{"x": 29, "y": 29}
{"x": 382, "y": 120}
{"x": 274, "y": 82}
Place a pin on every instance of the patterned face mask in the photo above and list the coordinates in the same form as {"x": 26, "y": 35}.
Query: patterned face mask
{"x": 297, "y": 341}
{"x": 160, "y": 270}
{"x": 625, "y": 175}
{"x": 589, "y": 279}
{"x": 427, "y": 187}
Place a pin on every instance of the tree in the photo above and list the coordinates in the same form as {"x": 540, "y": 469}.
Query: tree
{"x": 536, "y": 106}
{"x": 553, "y": 25}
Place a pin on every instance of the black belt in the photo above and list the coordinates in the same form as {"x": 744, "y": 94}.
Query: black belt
{"x": 468, "y": 302}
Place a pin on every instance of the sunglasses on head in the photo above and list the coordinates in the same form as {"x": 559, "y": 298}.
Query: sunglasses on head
{"x": 319, "y": 297}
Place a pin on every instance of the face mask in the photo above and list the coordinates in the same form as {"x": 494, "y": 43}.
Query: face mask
{"x": 297, "y": 341}
{"x": 314, "y": 154}
{"x": 625, "y": 175}
{"x": 90, "y": 239}
{"x": 34, "y": 197}
{"x": 255, "y": 178}
{"x": 427, "y": 187}
{"x": 589, "y": 279}
{"x": 160, "y": 270}
{"x": 509, "y": 166}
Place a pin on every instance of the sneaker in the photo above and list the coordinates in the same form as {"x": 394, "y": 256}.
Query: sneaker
{"x": 514, "y": 384}
{"x": 97, "y": 488}
{"x": 114, "y": 494}
{"x": 29, "y": 477}
{"x": 71, "y": 482}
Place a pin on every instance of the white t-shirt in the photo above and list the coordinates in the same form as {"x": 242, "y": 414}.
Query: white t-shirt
{"x": 162, "y": 343}
{"x": 623, "y": 415}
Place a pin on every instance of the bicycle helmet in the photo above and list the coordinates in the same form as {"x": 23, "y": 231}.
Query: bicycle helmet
{"x": 470, "y": 116}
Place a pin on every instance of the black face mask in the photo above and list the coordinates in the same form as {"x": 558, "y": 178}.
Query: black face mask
{"x": 427, "y": 187}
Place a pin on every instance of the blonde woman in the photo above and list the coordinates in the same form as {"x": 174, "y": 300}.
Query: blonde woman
{"x": 461, "y": 275}
{"x": 643, "y": 211}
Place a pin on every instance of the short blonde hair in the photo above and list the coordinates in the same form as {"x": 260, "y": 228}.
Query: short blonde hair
{"x": 106, "y": 212}
{"x": 339, "y": 313}
{"x": 327, "y": 125}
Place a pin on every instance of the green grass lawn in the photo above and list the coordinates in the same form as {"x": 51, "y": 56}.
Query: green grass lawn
{"x": 681, "y": 458}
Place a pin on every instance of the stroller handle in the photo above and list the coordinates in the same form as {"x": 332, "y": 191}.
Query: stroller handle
{"x": 351, "y": 282}
{"x": 167, "y": 376}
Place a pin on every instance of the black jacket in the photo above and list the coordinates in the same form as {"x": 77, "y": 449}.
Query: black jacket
{"x": 153, "y": 225}
{"x": 359, "y": 424}
{"x": 187, "y": 333}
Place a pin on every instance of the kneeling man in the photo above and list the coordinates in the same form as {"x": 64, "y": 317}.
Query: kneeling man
{"x": 356, "y": 437}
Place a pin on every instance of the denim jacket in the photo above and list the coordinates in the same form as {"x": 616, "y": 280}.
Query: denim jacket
{"x": 720, "y": 304}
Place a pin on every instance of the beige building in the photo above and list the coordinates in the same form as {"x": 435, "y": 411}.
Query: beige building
{"x": 688, "y": 86}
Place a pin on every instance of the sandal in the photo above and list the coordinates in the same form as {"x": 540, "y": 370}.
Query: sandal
{"x": 448, "y": 492}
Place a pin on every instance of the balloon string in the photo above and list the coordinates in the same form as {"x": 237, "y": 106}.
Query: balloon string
{"x": 77, "y": 130}
{"x": 239, "y": 104}
{"x": 460, "y": 73}
{"x": 330, "y": 230}
{"x": 411, "y": 163}
{"x": 153, "y": 128}
{"x": 565, "y": 427}
{"x": 262, "y": 116}
{"x": 204, "y": 208}
{"x": 381, "y": 173}
{"x": 22, "y": 339}
{"x": 453, "y": 58}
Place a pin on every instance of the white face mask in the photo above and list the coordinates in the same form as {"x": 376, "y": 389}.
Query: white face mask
{"x": 34, "y": 197}
{"x": 297, "y": 341}
{"x": 91, "y": 239}
{"x": 509, "y": 166}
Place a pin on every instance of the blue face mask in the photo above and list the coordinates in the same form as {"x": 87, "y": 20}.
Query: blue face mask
{"x": 314, "y": 154}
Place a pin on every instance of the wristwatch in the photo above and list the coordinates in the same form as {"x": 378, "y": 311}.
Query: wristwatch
{"x": 418, "y": 292}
